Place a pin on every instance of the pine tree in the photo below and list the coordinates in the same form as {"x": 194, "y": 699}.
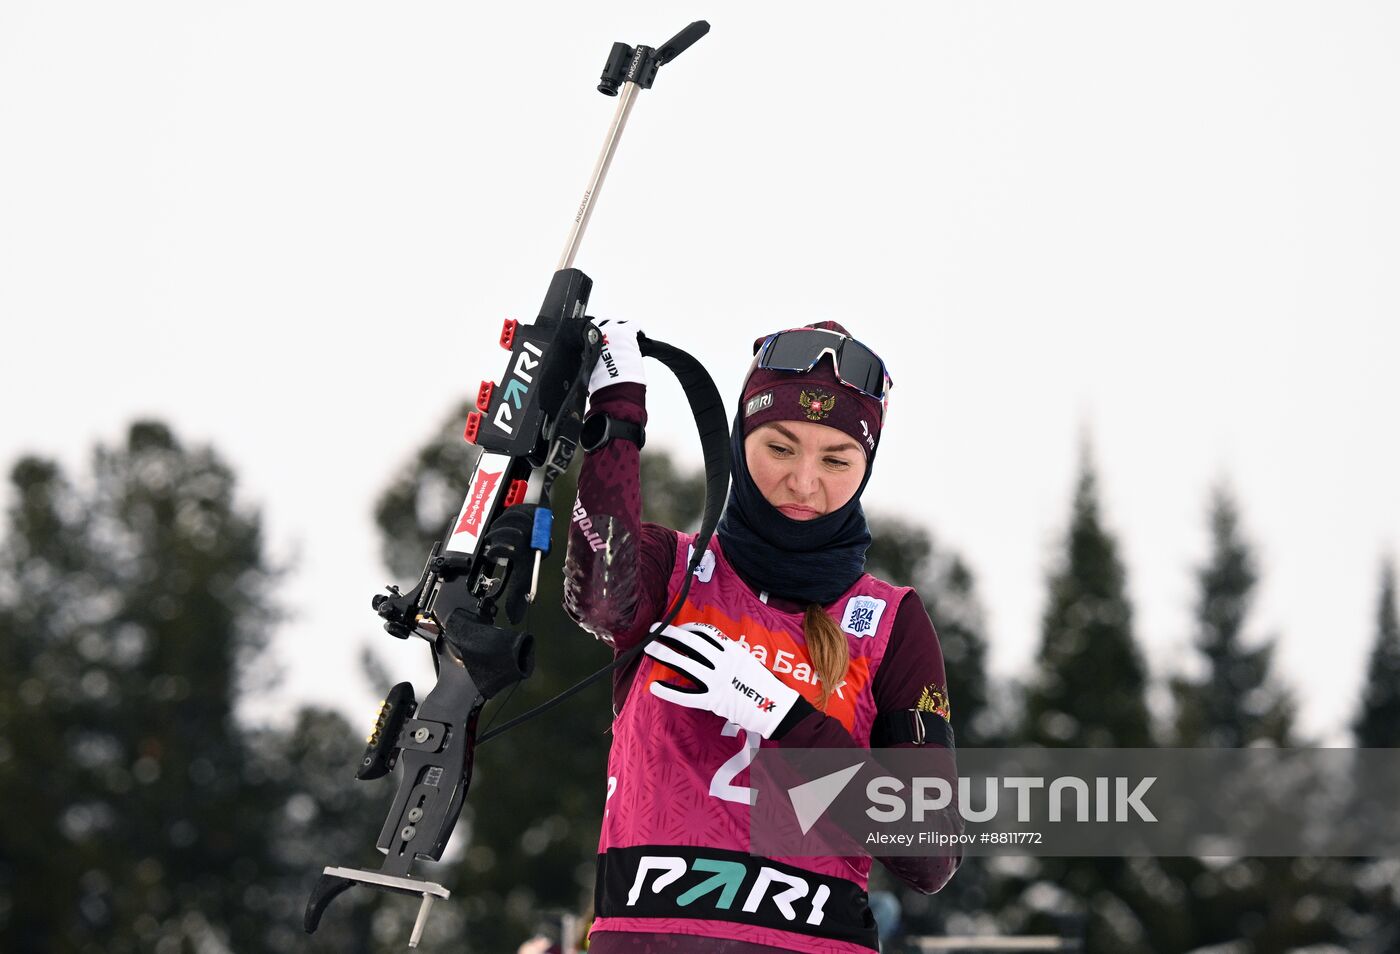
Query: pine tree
{"x": 1235, "y": 703}
{"x": 1377, "y": 724}
{"x": 1091, "y": 682}
{"x": 1089, "y": 691}
{"x": 132, "y": 609}
{"x": 195, "y": 607}
{"x": 43, "y": 873}
{"x": 1374, "y": 925}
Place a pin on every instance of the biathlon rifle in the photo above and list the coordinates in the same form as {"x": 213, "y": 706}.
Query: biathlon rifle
{"x": 528, "y": 427}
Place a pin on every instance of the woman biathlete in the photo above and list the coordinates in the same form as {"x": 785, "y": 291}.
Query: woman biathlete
{"x": 782, "y": 640}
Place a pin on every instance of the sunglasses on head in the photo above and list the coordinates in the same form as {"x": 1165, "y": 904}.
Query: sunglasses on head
{"x": 800, "y": 349}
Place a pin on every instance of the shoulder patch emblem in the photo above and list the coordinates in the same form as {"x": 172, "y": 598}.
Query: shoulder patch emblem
{"x": 934, "y": 699}
{"x": 862, "y": 615}
{"x": 706, "y": 569}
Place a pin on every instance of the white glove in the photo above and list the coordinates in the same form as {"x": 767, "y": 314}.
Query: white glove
{"x": 621, "y": 359}
{"x": 728, "y": 680}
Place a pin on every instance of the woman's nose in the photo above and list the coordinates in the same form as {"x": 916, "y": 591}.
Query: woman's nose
{"x": 804, "y": 479}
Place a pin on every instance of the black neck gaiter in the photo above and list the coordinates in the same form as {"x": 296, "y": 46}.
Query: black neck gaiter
{"x": 807, "y": 561}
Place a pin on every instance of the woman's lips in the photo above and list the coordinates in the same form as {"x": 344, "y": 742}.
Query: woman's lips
{"x": 798, "y": 512}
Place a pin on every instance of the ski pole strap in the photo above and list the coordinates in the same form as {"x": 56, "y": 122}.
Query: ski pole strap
{"x": 713, "y": 425}
{"x": 911, "y": 725}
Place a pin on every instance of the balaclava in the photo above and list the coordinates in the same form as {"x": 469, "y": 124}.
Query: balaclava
{"x": 808, "y": 561}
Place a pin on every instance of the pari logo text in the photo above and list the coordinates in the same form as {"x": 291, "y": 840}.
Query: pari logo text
{"x": 760, "y": 403}
{"x": 776, "y": 891}
{"x": 517, "y": 387}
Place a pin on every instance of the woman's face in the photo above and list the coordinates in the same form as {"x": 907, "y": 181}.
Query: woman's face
{"x": 803, "y": 469}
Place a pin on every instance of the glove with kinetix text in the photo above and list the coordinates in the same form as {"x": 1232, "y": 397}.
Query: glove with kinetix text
{"x": 728, "y": 680}
{"x": 621, "y": 360}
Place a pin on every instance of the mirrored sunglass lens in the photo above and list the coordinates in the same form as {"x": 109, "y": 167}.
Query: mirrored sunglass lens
{"x": 861, "y": 369}
{"x": 797, "y": 350}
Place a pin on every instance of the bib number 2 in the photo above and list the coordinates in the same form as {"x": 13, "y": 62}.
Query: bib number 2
{"x": 722, "y": 785}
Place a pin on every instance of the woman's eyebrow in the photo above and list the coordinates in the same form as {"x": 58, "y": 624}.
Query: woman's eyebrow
{"x": 848, "y": 445}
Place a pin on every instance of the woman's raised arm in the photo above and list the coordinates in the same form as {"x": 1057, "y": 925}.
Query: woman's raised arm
{"x": 616, "y": 570}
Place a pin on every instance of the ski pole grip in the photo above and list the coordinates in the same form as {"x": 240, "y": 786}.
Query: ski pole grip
{"x": 682, "y": 41}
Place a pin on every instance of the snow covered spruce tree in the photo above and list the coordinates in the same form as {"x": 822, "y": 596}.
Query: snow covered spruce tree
{"x": 43, "y": 585}
{"x": 1091, "y": 682}
{"x": 1377, "y": 724}
{"x": 1089, "y": 691}
{"x": 1235, "y": 702}
{"x": 137, "y": 599}
{"x": 135, "y": 605}
{"x": 1375, "y": 882}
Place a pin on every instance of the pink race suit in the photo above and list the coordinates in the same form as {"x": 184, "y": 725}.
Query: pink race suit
{"x": 673, "y": 857}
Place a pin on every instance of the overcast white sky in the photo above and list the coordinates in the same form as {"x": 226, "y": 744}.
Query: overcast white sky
{"x": 292, "y": 229}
